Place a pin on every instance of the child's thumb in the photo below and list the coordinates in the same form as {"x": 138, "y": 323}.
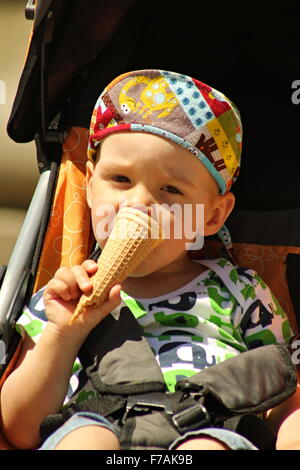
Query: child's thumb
{"x": 112, "y": 301}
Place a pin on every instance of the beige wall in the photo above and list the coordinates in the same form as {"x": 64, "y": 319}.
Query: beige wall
{"x": 18, "y": 168}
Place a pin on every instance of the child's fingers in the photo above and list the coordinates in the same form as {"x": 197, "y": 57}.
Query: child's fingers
{"x": 112, "y": 301}
{"x": 68, "y": 277}
{"x": 90, "y": 266}
{"x": 82, "y": 278}
{"x": 77, "y": 278}
{"x": 114, "y": 294}
{"x": 57, "y": 288}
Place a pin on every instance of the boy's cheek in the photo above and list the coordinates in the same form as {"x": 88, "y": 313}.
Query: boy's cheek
{"x": 186, "y": 223}
{"x": 103, "y": 216}
{"x": 102, "y": 227}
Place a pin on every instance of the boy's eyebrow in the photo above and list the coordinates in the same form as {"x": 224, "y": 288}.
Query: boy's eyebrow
{"x": 114, "y": 165}
{"x": 180, "y": 177}
{"x": 168, "y": 173}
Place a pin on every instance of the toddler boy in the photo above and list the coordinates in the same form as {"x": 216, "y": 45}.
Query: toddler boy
{"x": 158, "y": 140}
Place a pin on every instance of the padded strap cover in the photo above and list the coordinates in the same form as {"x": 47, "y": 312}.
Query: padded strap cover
{"x": 253, "y": 381}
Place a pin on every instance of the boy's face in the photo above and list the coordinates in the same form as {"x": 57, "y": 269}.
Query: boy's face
{"x": 153, "y": 174}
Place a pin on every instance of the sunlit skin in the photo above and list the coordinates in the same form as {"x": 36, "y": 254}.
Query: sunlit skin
{"x": 143, "y": 170}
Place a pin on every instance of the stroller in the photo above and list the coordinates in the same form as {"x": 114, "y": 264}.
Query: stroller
{"x": 75, "y": 50}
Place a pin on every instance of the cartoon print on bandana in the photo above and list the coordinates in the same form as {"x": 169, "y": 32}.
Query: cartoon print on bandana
{"x": 153, "y": 97}
{"x": 194, "y": 327}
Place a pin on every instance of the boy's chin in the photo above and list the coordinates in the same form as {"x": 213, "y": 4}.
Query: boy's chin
{"x": 140, "y": 271}
{"x": 145, "y": 268}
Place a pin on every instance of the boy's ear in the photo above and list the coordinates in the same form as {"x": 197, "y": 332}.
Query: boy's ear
{"x": 89, "y": 179}
{"x": 219, "y": 213}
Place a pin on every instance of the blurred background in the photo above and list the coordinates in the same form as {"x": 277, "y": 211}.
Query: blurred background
{"x": 18, "y": 168}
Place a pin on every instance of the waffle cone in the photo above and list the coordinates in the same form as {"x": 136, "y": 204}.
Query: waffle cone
{"x": 133, "y": 237}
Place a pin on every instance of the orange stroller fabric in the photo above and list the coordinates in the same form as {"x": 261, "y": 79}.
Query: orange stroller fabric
{"x": 69, "y": 237}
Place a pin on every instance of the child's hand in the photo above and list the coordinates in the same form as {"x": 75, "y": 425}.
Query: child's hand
{"x": 63, "y": 292}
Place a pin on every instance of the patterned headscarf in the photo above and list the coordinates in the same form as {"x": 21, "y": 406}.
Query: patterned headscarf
{"x": 176, "y": 107}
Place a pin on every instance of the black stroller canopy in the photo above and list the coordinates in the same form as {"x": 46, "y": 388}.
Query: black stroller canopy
{"x": 251, "y": 53}
{"x": 73, "y": 34}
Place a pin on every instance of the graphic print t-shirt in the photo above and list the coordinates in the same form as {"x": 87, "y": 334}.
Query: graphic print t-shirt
{"x": 196, "y": 326}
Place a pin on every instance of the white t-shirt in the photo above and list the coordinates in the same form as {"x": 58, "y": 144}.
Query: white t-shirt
{"x": 198, "y": 325}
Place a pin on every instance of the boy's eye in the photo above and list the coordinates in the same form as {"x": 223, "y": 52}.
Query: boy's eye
{"x": 121, "y": 178}
{"x": 172, "y": 189}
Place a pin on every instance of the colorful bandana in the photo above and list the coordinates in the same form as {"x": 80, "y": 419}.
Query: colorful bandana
{"x": 176, "y": 107}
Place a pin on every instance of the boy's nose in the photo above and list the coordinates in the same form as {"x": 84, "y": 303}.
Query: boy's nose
{"x": 140, "y": 199}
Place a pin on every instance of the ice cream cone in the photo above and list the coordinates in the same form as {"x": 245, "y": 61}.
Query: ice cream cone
{"x": 133, "y": 237}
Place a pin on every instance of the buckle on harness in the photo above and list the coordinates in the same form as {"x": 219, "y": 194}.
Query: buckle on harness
{"x": 146, "y": 402}
{"x": 194, "y": 417}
